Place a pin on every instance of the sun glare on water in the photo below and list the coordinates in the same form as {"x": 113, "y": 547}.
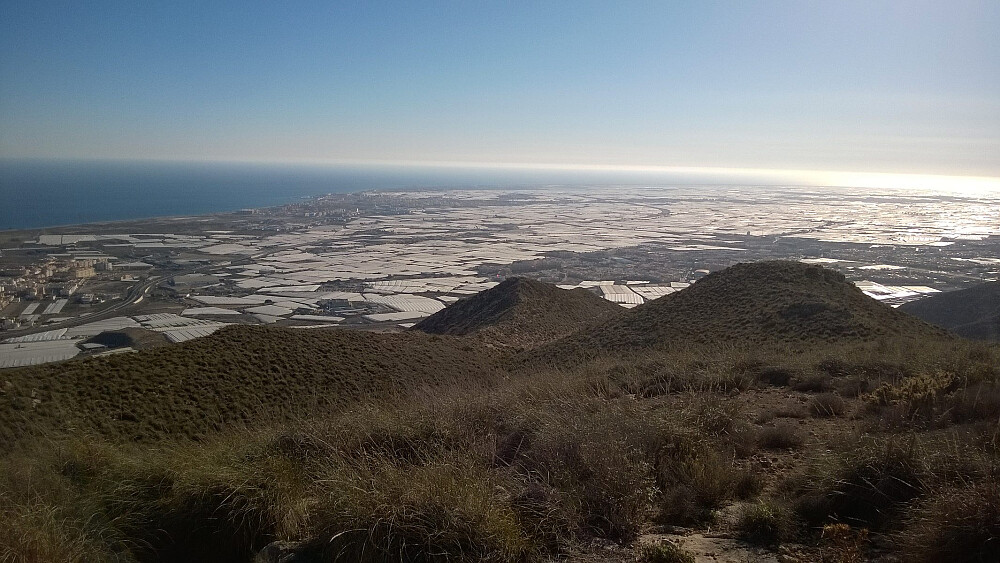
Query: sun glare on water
{"x": 928, "y": 183}
{"x": 958, "y": 185}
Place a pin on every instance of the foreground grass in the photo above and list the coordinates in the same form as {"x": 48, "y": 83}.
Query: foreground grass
{"x": 524, "y": 467}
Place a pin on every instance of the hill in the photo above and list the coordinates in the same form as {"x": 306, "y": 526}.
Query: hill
{"x": 521, "y": 312}
{"x": 269, "y": 444}
{"x": 239, "y": 375}
{"x": 774, "y": 301}
{"x": 973, "y": 312}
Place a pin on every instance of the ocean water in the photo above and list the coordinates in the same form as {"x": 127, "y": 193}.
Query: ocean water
{"x": 36, "y": 194}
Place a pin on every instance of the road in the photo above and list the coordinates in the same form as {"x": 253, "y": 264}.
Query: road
{"x": 132, "y": 296}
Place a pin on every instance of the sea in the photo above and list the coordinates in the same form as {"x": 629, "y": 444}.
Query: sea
{"x": 38, "y": 194}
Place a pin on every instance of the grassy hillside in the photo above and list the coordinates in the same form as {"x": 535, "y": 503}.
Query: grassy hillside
{"x": 747, "y": 305}
{"x": 521, "y": 312}
{"x": 543, "y": 466}
{"x": 240, "y": 375}
{"x": 864, "y": 436}
{"x": 973, "y": 312}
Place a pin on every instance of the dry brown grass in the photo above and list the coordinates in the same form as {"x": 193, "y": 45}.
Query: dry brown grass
{"x": 781, "y": 436}
{"x": 240, "y": 376}
{"x": 960, "y": 524}
{"x": 430, "y": 449}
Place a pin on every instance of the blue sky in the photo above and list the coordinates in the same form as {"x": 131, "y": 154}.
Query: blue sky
{"x": 901, "y": 86}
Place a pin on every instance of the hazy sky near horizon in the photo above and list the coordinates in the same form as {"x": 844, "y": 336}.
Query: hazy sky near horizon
{"x": 874, "y": 86}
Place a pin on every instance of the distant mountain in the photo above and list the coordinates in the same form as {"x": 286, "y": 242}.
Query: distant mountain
{"x": 973, "y": 312}
{"x": 776, "y": 301}
{"x": 521, "y": 312}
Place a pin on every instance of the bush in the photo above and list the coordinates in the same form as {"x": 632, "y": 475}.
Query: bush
{"x": 664, "y": 552}
{"x": 827, "y": 404}
{"x": 763, "y": 523}
{"x": 813, "y": 384}
{"x": 776, "y": 376}
{"x": 442, "y": 511}
{"x": 843, "y": 544}
{"x": 694, "y": 480}
{"x": 915, "y": 399}
{"x": 716, "y": 416}
{"x": 975, "y": 403}
{"x": 961, "y": 525}
{"x": 781, "y": 436}
{"x": 867, "y": 488}
{"x": 748, "y": 485}
{"x": 600, "y": 459}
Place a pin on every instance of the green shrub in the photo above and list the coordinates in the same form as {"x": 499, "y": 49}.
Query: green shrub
{"x": 664, "y": 552}
{"x": 915, "y": 399}
{"x": 763, "y": 523}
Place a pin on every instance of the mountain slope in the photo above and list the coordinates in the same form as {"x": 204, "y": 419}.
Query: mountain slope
{"x": 775, "y": 301}
{"x": 239, "y": 375}
{"x": 521, "y": 312}
{"x": 973, "y": 312}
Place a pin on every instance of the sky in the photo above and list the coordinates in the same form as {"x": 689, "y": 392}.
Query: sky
{"x": 904, "y": 86}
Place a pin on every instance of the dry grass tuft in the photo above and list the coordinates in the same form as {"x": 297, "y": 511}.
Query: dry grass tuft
{"x": 781, "y": 436}
{"x": 960, "y": 524}
{"x": 827, "y": 404}
{"x": 763, "y": 523}
{"x": 867, "y": 487}
{"x": 664, "y": 552}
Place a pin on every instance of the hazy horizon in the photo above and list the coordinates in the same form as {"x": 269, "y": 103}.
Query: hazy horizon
{"x": 831, "y": 89}
{"x": 538, "y": 174}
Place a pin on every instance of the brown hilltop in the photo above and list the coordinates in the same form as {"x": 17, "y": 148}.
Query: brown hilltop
{"x": 521, "y": 312}
{"x": 973, "y": 312}
{"x": 241, "y": 374}
{"x": 774, "y": 301}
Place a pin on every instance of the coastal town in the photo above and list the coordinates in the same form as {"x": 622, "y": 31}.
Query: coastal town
{"x": 384, "y": 260}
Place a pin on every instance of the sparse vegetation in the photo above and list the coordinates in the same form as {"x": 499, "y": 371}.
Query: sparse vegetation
{"x": 763, "y": 523}
{"x": 522, "y": 313}
{"x": 813, "y": 384}
{"x": 865, "y": 488}
{"x": 827, "y": 404}
{"x": 960, "y": 524}
{"x": 781, "y": 436}
{"x": 367, "y": 447}
{"x": 664, "y": 552}
{"x": 241, "y": 376}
